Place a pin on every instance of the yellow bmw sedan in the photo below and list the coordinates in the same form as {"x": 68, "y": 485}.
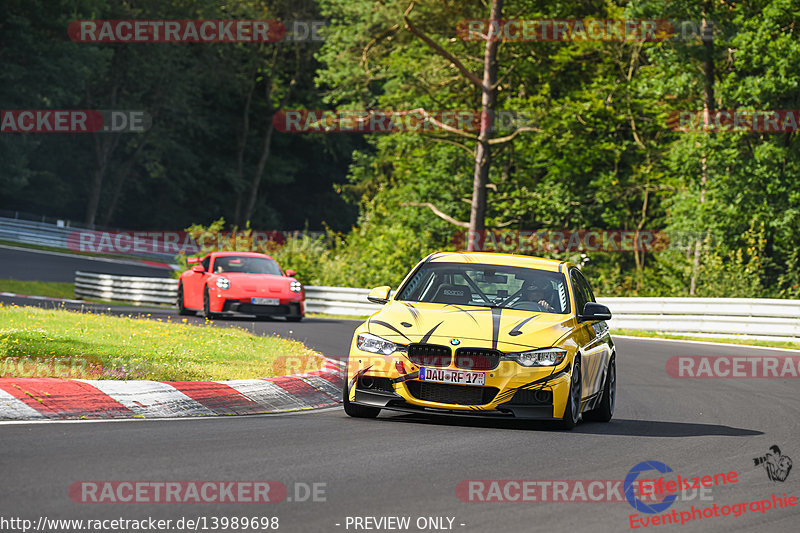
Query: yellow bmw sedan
{"x": 485, "y": 335}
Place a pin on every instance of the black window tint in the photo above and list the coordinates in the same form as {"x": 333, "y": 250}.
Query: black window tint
{"x": 206, "y": 263}
{"x": 580, "y": 295}
{"x": 587, "y": 289}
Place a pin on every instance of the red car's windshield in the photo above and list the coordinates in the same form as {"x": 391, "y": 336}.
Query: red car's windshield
{"x": 245, "y": 265}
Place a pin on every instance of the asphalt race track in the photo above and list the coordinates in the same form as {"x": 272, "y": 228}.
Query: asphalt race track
{"x": 35, "y": 265}
{"x": 406, "y": 465}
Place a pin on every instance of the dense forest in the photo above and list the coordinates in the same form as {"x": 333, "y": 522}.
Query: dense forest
{"x": 593, "y": 143}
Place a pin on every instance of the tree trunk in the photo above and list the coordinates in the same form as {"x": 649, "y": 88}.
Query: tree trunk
{"x": 708, "y": 109}
{"x": 104, "y": 146}
{"x": 241, "y": 145}
{"x": 256, "y": 181}
{"x": 477, "y": 216}
{"x": 121, "y": 178}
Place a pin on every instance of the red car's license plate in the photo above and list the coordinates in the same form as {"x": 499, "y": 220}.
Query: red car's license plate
{"x": 265, "y": 301}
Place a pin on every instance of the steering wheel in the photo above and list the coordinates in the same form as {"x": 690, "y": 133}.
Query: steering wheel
{"x": 529, "y": 306}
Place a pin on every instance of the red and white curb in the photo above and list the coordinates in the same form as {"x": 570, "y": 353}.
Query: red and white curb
{"x": 61, "y": 399}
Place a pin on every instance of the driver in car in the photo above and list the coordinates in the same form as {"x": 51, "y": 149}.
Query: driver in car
{"x": 534, "y": 294}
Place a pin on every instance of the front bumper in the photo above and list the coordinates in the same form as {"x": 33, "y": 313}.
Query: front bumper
{"x": 395, "y": 402}
{"x": 509, "y": 391}
{"x": 247, "y": 308}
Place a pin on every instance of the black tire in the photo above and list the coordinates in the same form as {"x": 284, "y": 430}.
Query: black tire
{"x": 207, "y": 305}
{"x": 573, "y": 411}
{"x": 182, "y": 310}
{"x": 605, "y": 409}
{"x": 357, "y": 411}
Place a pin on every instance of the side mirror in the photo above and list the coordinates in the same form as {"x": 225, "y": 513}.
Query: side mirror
{"x": 291, "y": 273}
{"x": 198, "y": 269}
{"x": 594, "y": 311}
{"x": 379, "y": 295}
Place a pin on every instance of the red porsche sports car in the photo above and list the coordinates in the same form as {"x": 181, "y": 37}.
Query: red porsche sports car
{"x": 240, "y": 282}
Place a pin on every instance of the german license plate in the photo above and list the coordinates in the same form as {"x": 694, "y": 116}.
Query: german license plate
{"x": 265, "y": 301}
{"x": 444, "y": 375}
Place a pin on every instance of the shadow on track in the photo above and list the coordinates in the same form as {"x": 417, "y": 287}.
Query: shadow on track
{"x": 623, "y": 427}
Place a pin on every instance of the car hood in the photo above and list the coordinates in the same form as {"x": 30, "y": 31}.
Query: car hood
{"x": 506, "y": 330}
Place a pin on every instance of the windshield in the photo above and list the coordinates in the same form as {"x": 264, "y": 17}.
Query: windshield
{"x": 520, "y": 288}
{"x": 246, "y": 265}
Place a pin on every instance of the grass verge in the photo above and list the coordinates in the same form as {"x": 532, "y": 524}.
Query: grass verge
{"x": 59, "y": 343}
{"x": 721, "y": 340}
{"x": 51, "y": 289}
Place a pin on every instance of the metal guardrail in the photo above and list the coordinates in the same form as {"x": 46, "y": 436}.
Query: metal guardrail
{"x": 339, "y": 301}
{"x": 53, "y": 235}
{"x": 767, "y": 319}
{"x": 130, "y": 289}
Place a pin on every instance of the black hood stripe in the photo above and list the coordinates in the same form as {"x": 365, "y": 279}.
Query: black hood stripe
{"x": 391, "y": 327}
{"x": 413, "y": 311}
{"x": 496, "y": 313}
{"x": 517, "y": 329}
{"x": 469, "y": 314}
{"x": 427, "y": 336}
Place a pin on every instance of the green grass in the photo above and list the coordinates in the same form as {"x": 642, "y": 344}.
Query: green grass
{"x": 38, "y": 288}
{"x": 745, "y": 342}
{"x": 59, "y": 343}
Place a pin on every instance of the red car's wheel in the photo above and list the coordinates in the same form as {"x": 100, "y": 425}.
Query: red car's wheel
{"x": 207, "y": 305}
{"x": 182, "y": 310}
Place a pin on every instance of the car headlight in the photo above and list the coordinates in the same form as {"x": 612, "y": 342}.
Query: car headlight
{"x": 223, "y": 283}
{"x": 295, "y": 286}
{"x": 374, "y": 344}
{"x": 543, "y": 357}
